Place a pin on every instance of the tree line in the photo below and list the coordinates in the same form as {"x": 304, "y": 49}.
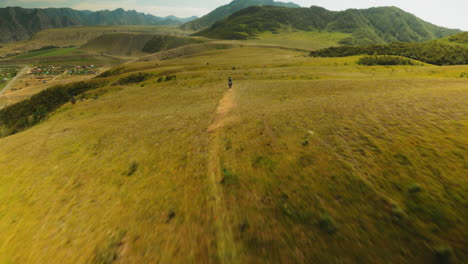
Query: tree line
{"x": 429, "y": 52}
{"x": 19, "y": 116}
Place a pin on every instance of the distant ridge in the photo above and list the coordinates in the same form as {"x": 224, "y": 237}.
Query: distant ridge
{"x": 229, "y": 9}
{"x": 18, "y": 23}
{"x": 367, "y": 26}
{"x": 183, "y": 20}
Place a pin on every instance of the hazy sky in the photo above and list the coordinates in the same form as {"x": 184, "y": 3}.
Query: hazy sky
{"x": 448, "y": 13}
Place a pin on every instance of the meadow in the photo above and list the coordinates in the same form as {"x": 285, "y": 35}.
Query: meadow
{"x": 305, "y": 40}
{"x": 49, "y": 52}
{"x": 306, "y": 159}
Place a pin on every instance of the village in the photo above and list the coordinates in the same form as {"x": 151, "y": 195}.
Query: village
{"x": 40, "y": 77}
{"x": 48, "y": 72}
{"x": 7, "y": 73}
{"x": 59, "y": 74}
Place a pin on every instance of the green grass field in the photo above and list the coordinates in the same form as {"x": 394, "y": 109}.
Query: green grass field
{"x": 306, "y": 160}
{"x": 300, "y": 39}
{"x": 49, "y": 52}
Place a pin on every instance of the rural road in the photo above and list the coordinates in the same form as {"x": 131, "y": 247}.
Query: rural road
{"x": 13, "y": 81}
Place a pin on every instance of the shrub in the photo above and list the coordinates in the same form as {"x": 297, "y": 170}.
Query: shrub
{"x": 414, "y": 188}
{"x": 167, "y": 78}
{"x": 229, "y": 178}
{"x": 398, "y": 215}
{"x": 170, "y": 216}
{"x": 133, "y": 168}
{"x": 429, "y": 52}
{"x": 460, "y": 38}
{"x": 27, "y": 113}
{"x": 327, "y": 223}
{"x": 384, "y": 60}
{"x": 133, "y": 78}
{"x": 443, "y": 254}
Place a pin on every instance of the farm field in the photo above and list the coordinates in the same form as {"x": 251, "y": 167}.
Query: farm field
{"x": 49, "y": 52}
{"x": 305, "y": 159}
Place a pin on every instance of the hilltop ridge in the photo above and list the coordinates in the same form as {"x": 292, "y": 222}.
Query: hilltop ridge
{"x": 229, "y": 9}
{"x": 367, "y": 26}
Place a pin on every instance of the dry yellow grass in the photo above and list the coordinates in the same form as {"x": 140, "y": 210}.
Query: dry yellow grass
{"x": 317, "y": 162}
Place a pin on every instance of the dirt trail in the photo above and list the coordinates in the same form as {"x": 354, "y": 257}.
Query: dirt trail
{"x": 13, "y": 81}
{"x": 222, "y": 111}
{"x": 226, "y": 247}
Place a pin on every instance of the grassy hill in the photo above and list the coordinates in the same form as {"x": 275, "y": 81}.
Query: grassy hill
{"x": 78, "y": 36}
{"x": 135, "y": 44}
{"x": 18, "y": 23}
{"x": 300, "y": 39}
{"x": 304, "y": 160}
{"x": 224, "y": 11}
{"x": 367, "y": 26}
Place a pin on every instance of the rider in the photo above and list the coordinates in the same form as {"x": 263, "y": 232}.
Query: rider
{"x": 230, "y": 82}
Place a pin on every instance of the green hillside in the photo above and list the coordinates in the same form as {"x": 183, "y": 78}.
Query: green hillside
{"x": 305, "y": 160}
{"x": 460, "y": 39}
{"x": 367, "y": 26}
{"x": 226, "y": 10}
{"x": 135, "y": 44}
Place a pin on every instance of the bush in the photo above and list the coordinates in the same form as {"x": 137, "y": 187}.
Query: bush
{"x": 133, "y": 78}
{"x": 414, "y": 188}
{"x": 327, "y": 223}
{"x": 384, "y": 60}
{"x": 398, "y": 214}
{"x": 460, "y": 38}
{"x": 167, "y": 78}
{"x": 429, "y": 52}
{"x": 229, "y": 178}
{"x": 27, "y": 113}
{"x": 133, "y": 168}
{"x": 443, "y": 254}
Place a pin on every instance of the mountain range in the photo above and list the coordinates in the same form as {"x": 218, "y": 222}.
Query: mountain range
{"x": 229, "y": 9}
{"x": 365, "y": 26}
{"x": 18, "y": 23}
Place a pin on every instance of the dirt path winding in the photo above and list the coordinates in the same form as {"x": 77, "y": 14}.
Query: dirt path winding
{"x": 13, "y": 81}
{"x": 222, "y": 111}
{"x": 226, "y": 247}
